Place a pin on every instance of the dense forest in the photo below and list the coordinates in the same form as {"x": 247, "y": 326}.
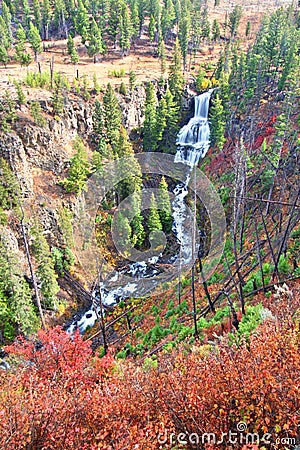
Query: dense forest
{"x": 149, "y": 332}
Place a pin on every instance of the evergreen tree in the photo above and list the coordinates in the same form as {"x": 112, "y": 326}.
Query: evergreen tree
{"x": 153, "y": 222}
{"x": 36, "y": 112}
{"x": 127, "y": 165}
{"x": 142, "y": 7}
{"x": 172, "y": 119}
{"x": 10, "y": 116}
{"x": 20, "y": 93}
{"x": 112, "y": 116}
{"x": 46, "y": 18}
{"x": 114, "y": 20}
{"x": 138, "y": 232}
{"x": 216, "y": 32}
{"x": 164, "y": 206}
{"x": 134, "y": 12}
{"x": 78, "y": 171}
{"x": 95, "y": 44}
{"x": 60, "y": 13}
{"x": 124, "y": 232}
{"x": 35, "y": 40}
{"x": 126, "y": 29}
{"x": 205, "y": 25}
{"x": 45, "y": 268}
{"x": 168, "y": 18}
{"x": 58, "y": 97}
{"x": 217, "y": 121}
{"x": 161, "y": 120}
{"x": 4, "y": 58}
{"x": 9, "y": 187}
{"x": 82, "y": 21}
{"x": 184, "y": 32}
{"x": 6, "y": 16}
{"x": 234, "y": 19}
{"x": 132, "y": 80}
{"x": 149, "y": 131}
{"x": 17, "y": 312}
{"x": 162, "y": 55}
{"x": 72, "y": 50}
{"x": 151, "y": 29}
{"x": 37, "y": 13}
{"x": 4, "y": 34}
{"x": 21, "y": 55}
{"x": 98, "y": 119}
{"x": 176, "y": 80}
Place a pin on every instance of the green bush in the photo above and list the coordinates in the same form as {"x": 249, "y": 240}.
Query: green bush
{"x": 116, "y": 73}
{"x": 283, "y": 265}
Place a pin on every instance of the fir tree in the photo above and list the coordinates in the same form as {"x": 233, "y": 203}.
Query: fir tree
{"x": 35, "y": 40}
{"x": 234, "y": 19}
{"x": 82, "y": 21}
{"x": 168, "y": 18}
{"x": 153, "y": 221}
{"x": 78, "y": 171}
{"x": 134, "y": 18}
{"x": 6, "y": 16}
{"x": 161, "y": 120}
{"x": 36, "y": 112}
{"x": 95, "y": 44}
{"x": 164, "y": 206}
{"x": 149, "y": 131}
{"x": 57, "y": 96}
{"x": 151, "y": 29}
{"x": 46, "y": 18}
{"x": 112, "y": 116}
{"x": 172, "y": 119}
{"x": 217, "y": 121}
{"x": 72, "y": 50}
{"x": 138, "y": 232}
{"x": 4, "y": 58}
{"x": 124, "y": 231}
{"x": 20, "y": 93}
{"x": 184, "y": 31}
{"x": 17, "y": 312}
{"x": 21, "y": 55}
{"x": 176, "y": 80}
{"x": 45, "y": 268}
{"x": 98, "y": 119}
{"x": 125, "y": 29}
{"x": 37, "y": 13}
{"x": 128, "y": 166}
{"x": 9, "y": 187}
{"x": 216, "y": 32}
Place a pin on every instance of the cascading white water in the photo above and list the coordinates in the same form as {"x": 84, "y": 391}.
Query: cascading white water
{"x": 193, "y": 138}
{"x": 193, "y": 144}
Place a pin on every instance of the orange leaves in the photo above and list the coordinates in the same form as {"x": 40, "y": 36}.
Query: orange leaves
{"x": 63, "y": 397}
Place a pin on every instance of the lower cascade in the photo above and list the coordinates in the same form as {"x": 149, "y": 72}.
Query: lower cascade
{"x": 193, "y": 143}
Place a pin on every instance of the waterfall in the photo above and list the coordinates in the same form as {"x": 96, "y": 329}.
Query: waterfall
{"x": 193, "y": 144}
{"x": 193, "y": 138}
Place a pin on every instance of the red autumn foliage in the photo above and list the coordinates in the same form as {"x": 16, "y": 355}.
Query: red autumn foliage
{"x": 63, "y": 397}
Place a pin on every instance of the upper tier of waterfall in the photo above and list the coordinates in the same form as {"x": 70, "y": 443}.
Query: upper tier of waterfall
{"x": 193, "y": 138}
